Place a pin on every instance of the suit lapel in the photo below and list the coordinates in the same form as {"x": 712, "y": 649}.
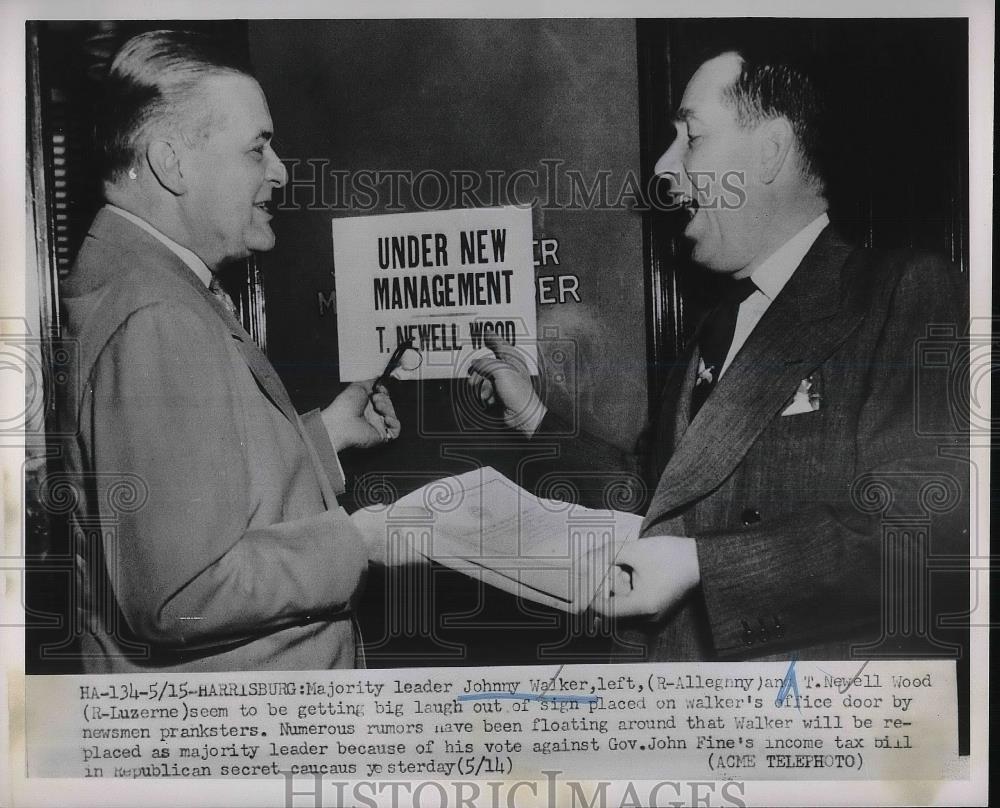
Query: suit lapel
{"x": 670, "y": 422}
{"x": 801, "y": 328}
{"x": 153, "y": 254}
{"x": 260, "y": 367}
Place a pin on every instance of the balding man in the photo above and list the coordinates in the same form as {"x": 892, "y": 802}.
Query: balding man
{"x": 207, "y": 531}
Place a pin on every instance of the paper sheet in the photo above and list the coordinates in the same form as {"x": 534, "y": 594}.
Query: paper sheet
{"x": 486, "y": 526}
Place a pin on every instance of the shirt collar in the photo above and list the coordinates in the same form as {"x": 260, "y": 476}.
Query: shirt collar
{"x": 193, "y": 262}
{"x": 771, "y": 276}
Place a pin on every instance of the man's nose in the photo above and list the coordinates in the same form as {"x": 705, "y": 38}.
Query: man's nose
{"x": 669, "y": 165}
{"x": 276, "y": 173}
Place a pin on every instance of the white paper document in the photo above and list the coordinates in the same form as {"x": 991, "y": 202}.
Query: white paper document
{"x": 486, "y": 526}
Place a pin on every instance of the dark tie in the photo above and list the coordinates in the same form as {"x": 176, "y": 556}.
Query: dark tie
{"x": 716, "y": 337}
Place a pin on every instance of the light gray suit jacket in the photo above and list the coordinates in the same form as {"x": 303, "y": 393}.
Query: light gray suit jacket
{"x": 207, "y": 530}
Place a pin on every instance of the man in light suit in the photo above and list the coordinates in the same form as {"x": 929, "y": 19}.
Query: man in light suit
{"x": 787, "y": 438}
{"x": 207, "y": 530}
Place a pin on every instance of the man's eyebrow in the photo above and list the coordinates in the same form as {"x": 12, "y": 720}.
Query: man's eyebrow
{"x": 684, "y": 114}
{"x": 264, "y": 134}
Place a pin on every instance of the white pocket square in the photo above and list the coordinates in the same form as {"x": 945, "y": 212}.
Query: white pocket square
{"x": 805, "y": 400}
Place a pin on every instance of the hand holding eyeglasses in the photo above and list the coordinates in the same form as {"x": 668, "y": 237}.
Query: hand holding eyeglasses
{"x": 379, "y": 412}
{"x": 363, "y": 414}
{"x": 405, "y": 359}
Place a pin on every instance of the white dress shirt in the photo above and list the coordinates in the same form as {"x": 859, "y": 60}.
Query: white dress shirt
{"x": 193, "y": 262}
{"x": 770, "y": 278}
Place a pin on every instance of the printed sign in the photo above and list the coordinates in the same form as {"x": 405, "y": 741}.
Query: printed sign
{"x": 443, "y": 279}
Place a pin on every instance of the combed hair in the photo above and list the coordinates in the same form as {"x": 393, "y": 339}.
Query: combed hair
{"x": 768, "y": 88}
{"x": 153, "y": 83}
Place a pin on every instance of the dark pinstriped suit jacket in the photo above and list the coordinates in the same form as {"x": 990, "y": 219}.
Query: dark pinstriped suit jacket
{"x": 790, "y": 512}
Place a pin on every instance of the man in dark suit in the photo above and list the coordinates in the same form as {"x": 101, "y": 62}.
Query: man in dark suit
{"x": 787, "y": 440}
{"x": 208, "y": 535}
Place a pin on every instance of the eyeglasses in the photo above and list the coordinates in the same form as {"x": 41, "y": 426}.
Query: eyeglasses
{"x": 406, "y": 357}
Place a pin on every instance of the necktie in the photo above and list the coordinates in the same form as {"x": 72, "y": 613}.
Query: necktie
{"x": 220, "y": 294}
{"x": 716, "y": 337}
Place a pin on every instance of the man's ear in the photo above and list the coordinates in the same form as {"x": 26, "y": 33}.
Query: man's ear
{"x": 776, "y": 141}
{"x": 165, "y": 162}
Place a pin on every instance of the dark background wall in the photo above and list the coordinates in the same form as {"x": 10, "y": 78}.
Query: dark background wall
{"x": 463, "y": 95}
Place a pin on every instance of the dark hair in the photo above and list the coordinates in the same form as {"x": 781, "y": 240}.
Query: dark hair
{"x": 782, "y": 86}
{"x": 153, "y": 82}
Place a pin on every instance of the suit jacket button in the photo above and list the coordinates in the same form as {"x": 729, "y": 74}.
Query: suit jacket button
{"x": 747, "y": 633}
{"x": 750, "y": 516}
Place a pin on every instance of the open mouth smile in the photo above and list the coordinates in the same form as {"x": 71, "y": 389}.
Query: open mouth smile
{"x": 687, "y": 204}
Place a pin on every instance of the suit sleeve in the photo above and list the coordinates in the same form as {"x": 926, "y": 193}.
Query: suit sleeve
{"x": 312, "y": 424}
{"x": 826, "y": 572}
{"x": 560, "y": 459}
{"x": 186, "y": 568}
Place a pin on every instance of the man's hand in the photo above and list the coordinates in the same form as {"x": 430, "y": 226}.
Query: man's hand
{"x": 504, "y": 379}
{"x": 359, "y": 418}
{"x": 649, "y": 578}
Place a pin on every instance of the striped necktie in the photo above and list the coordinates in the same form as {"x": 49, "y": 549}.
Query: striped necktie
{"x": 220, "y": 294}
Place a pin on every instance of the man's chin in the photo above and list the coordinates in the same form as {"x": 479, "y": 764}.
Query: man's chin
{"x": 707, "y": 258}
{"x": 700, "y": 254}
{"x": 260, "y": 241}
